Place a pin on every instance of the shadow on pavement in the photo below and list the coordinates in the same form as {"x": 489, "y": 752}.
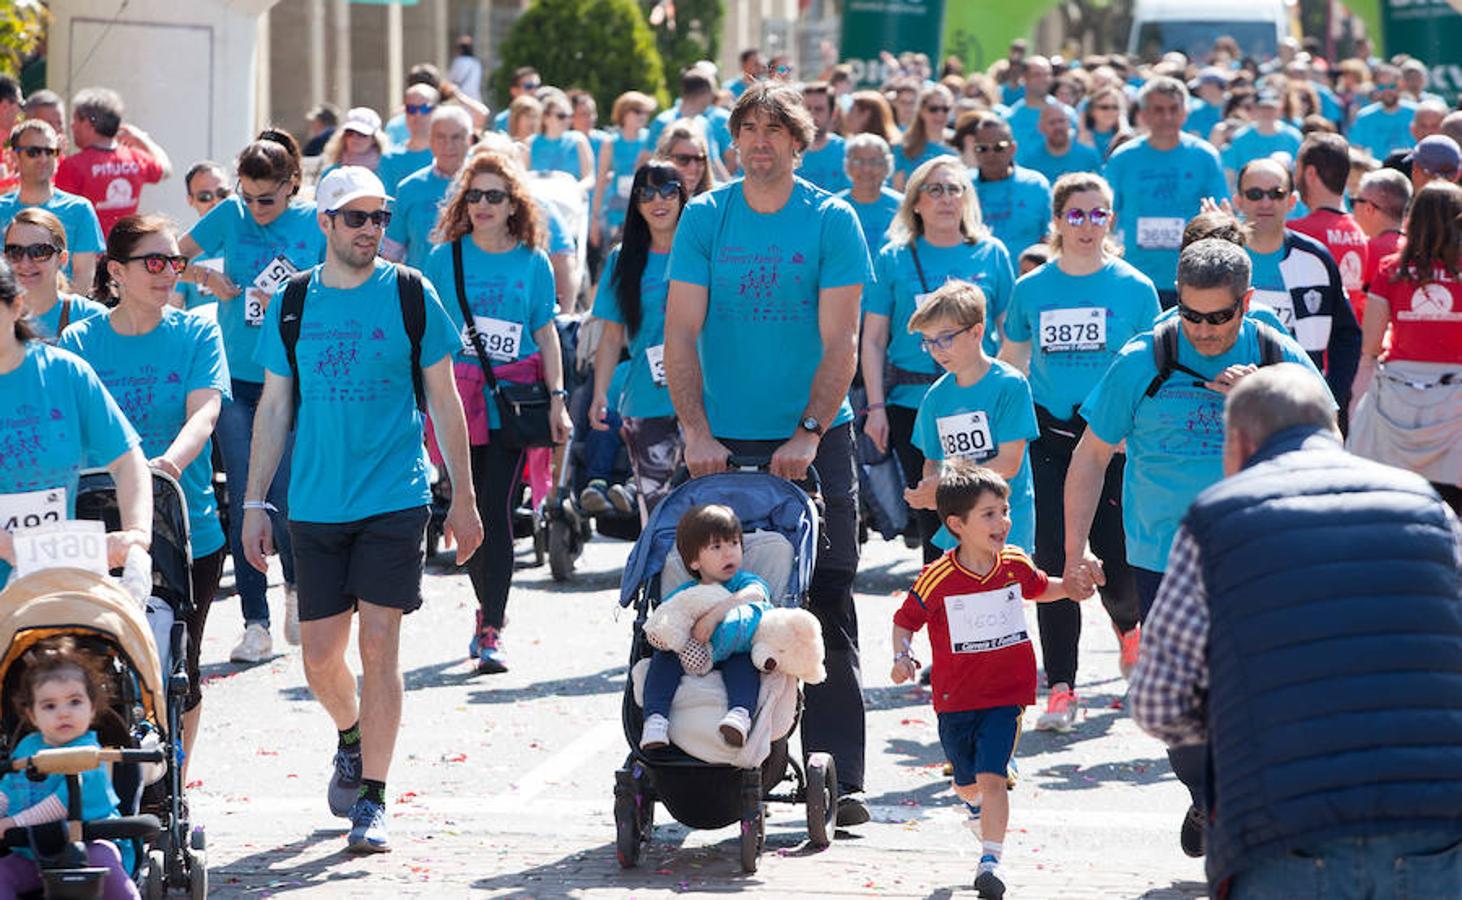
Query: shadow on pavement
{"x": 609, "y": 681}
{"x": 1084, "y": 778}
{"x": 278, "y": 871}
{"x": 1178, "y": 890}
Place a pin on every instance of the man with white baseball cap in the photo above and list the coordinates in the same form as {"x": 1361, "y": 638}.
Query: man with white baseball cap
{"x": 356, "y": 350}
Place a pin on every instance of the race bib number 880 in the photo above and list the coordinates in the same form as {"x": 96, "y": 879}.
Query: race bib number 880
{"x": 966, "y": 435}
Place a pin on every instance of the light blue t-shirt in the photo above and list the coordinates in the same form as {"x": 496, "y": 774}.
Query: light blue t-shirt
{"x": 760, "y": 344}
{"x": 48, "y": 324}
{"x": 398, "y": 132}
{"x": 896, "y": 291}
{"x": 738, "y": 628}
{"x": 1174, "y": 439}
{"x": 98, "y": 799}
{"x": 875, "y": 217}
{"x": 78, "y": 219}
{"x": 624, "y": 154}
{"x": 500, "y": 121}
{"x": 1250, "y": 144}
{"x": 1102, "y": 141}
{"x": 1156, "y": 193}
{"x": 1202, "y": 117}
{"x": 1016, "y": 208}
{"x": 358, "y": 448}
{"x": 247, "y": 248}
{"x": 419, "y": 199}
{"x": 1379, "y": 131}
{"x": 1078, "y": 158}
{"x": 932, "y": 150}
{"x": 1024, "y": 120}
{"x": 824, "y": 167}
{"x": 512, "y": 288}
{"x": 644, "y": 397}
{"x": 1003, "y": 398}
{"x": 399, "y": 163}
{"x": 150, "y": 376}
{"x": 56, "y": 418}
{"x": 1054, "y": 312}
{"x": 559, "y": 239}
{"x": 560, "y": 154}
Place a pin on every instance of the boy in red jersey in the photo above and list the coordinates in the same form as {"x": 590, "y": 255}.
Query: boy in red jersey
{"x": 984, "y": 669}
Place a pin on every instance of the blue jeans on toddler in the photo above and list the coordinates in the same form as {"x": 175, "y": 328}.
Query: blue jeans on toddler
{"x": 743, "y": 682}
{"x": 600, "y": 448}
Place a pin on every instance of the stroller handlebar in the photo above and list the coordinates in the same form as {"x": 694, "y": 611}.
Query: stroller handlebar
{"x": 123, "y": 828}
{"x": 76, "y": 760}
{"x": 754, "y": 462}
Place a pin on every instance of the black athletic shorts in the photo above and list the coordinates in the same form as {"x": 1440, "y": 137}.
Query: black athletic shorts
{"x": 378, "y": 560}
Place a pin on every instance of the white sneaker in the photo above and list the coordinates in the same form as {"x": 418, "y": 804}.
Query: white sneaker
{"x": 735, "y": 725}
{"x": 291, "y": 615}
{"x": 656, "y": 733}
{"x": 255, "y": 646}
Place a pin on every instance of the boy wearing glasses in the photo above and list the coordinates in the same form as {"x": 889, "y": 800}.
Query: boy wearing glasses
{"x": 1173, "y": 429}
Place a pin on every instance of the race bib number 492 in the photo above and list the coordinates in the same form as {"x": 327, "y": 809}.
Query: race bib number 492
{"x": 966, "y": 435}
{"x": 32, "y": 509}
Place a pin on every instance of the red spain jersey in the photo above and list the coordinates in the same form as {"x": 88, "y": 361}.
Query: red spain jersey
{"x": 977, "y": 630}
{"x": 1348, "y": 246}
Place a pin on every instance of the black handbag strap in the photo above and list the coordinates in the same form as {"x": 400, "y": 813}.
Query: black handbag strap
{"x": 467, "y": 316}
{"x": 918, "y": 268}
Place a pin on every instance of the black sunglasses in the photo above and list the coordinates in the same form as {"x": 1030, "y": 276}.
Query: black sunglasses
{"x": 36, "y": 152}
{"x": 1221, "y": 317}
{"x": 356, "y": 218}
{"x": 491, "y": 195}
{"x": 219, "y": 194}
{"x": 685, "y": 159}
{"x": 156, "y": 263}
{"x": 941, "y": 110}
{"x": 664, "y": 191}
{"x": 997, "y": 147}
{"x": 1254, "y": 195}
{"x": 37, "y": 252}
{"x": 268, "y": 199}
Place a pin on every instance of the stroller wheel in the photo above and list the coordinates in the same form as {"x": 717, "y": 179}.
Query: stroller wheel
{"x": 753, "y": 821}
{"x": 562, "y": 551}
{"x": 197, "y": 874}
{"x": 156, "y": 882}
{"x": 631, "y": 821}
{"x": 822, "y": 799}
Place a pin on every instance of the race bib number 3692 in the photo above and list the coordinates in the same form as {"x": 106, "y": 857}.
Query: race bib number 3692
{"x": 966, "y": 435}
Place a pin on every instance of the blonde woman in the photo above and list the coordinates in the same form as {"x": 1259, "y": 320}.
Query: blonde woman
{"x": 925, "y": 138}
{"x": 683, "y": 145}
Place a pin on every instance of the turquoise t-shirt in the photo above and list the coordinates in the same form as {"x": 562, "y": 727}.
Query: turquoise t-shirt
{"x": 560, "y": 154}
{"x": 1157, "y": 192}
{"x": 1102, "y": 141}
{"x": 1002, "y": 412}
{"x": 824, "y": 167}
{"x": 419, "y": 199}
{"x": 1017, "y": 208}
{"x": 358, "y": 448}
{"x": 510, "y": 293}
{"x": 875, "y": 217}
{"x": 1249, "y": 144}
{"x": 738, "y": 628}
{"x": 1024, "y": 120}
{"x": 1267, "y": 281}
{"x": 1077, "y": 158}
{"x": 1202, "y": 117}
{"x": 623, "y": 156}
{"x": 399, "y": 163}
{"x": 1055, "y": 313}
{"x": 644, "y": 396}
{"x": 896, "y": 292}
{"x": 56, "y": 418}
{"x": 1379, "y": 131}
{"x": 760, "y": 344}
{"x": 247, "y": 248}
{"x": 932, "y": 150}
{"x": 150, "y": 376}
{"x": 1174, "y": 439}
{"x": 78, "y": 219}
{"x": 98, "y": 799}
{"x": 398, "y": 132}
{"x": 82, "y": 308}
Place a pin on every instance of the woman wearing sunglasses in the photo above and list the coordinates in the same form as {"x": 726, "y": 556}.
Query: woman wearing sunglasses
{"x": 263, "y": 234}
{"x": 618, "y": 157}
{"x": 631, "y": 302}
{"x": 936, "y": 237}
{"x": 683, "y": 145}
{"x": 166, "y": 370}
{"x": 1067, "y": 320}
{"x": 1104, "y": 120}
{"x": 492, "y": 224}
{"x": 35, "y": 247}
{"x": 925, "y": 138}
{"x": 47, "y": 446}
{"x": 557, "y": 147}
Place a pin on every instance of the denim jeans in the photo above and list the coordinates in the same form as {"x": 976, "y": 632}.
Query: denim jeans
{"x": 601, "y": 447}
{"x": 1407, "y": 864}
{"x": 235, "y": 434}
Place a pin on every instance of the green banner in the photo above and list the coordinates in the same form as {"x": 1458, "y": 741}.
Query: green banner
{"x": 1431, "y": 31}
{"x": 873, "y": 26}
{"x": 980, "y": 31}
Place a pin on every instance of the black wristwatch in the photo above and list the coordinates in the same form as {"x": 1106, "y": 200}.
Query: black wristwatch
{"x": 810, "y": 423}
{"x": 559, "y": 392}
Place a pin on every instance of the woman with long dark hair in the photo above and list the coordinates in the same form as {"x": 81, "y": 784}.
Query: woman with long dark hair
{"x": 631, "y": 302}
{"x": 491, "y": 237}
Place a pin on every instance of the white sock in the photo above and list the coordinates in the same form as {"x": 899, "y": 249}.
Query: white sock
{"x": 992, "y": 848}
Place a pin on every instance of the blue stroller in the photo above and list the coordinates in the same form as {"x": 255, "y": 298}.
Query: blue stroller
{"x": 696, "y": 793}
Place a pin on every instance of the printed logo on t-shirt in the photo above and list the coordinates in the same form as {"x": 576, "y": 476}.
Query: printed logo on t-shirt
{"x": 1351, "y": 274}
{"x": 1430, "y": 301}
{"x": 119, "y": 195}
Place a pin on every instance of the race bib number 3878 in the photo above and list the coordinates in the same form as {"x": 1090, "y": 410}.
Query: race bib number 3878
{"x": 1068, "y": 330}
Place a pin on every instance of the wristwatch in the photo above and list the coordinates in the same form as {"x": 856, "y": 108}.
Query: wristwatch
{"x": 810, "y": 423}
{"x": 560, "y": 392}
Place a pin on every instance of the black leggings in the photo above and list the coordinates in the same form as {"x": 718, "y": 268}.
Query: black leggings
{"x": 923, "y": 522}
{"x": 1060, "y": 621}
{"x": 207, "y": 570}
{"x": 496, "y": 473}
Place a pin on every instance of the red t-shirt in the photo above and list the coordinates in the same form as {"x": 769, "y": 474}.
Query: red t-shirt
{"x": 1347, "y": 243}
{"x": 111, "y": 179}
{"x": 1426, "y": 318}
{"x": 977, "y": 630}
{"x": 1381, "y": 246}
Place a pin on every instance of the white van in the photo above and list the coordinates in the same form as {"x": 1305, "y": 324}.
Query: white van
{"x": 1191, "y": 26}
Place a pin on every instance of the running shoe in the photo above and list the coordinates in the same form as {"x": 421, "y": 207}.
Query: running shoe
{"x": 1131, "y": 643}
{"x": 490, "y": 659}
{"x": 655, "y": 735}
{"x": 735, "y": 726}
{"x": 851, "y": 811}
{"x": 367, "y": 828}
{"x": 622, "y": 497}
{"x": 254, "y": 647}
{"x": 593, "y": 499}
{"x": 1060, "y": 714}
{"x": 988, "y": 883}
{"x": 291, "y": 615}
{"x": 1191, "y": 837}
{"x": 344, "y": 783}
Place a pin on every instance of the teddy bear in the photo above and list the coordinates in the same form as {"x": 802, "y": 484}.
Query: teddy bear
{"x": 789, "y": 641}
{"x": 785, "y": 640}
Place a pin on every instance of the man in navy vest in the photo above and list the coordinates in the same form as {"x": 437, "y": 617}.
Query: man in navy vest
{"x": 1309, "y": 628}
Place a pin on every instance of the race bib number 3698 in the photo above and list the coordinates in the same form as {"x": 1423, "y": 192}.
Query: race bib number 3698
{"x": 501, "y": 339}
{"x": 966, "y": 435}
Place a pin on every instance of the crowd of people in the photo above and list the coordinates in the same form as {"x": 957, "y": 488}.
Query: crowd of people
{"x": 1052, "y": 282}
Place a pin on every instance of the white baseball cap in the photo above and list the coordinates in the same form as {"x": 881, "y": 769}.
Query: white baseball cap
{"x": 362, "y": 120}
{"x": 348, "y": 183}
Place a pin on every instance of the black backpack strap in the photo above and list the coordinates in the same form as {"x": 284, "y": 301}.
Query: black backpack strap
{"x": 291, "y": 311}
{"x": 1164, "y": 352}
{"x": 413, "y": 315}
{"x": 65, "y": 316}
{"x": 1271, "y": 349}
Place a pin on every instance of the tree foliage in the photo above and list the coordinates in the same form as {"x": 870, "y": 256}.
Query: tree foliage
{"x": 22, "y": 24}
{"x": 602, "y": 46}
{"x": 696, "y": 35}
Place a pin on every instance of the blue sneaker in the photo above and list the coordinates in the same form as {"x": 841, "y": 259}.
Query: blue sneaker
{"x": 345, "y": 783}
{"x": 367, "y": 828}
{"x": 490, "y": 660}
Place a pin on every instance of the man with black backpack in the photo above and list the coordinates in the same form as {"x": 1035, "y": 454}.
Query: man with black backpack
{"x": 1163, "y": 396}
{"x": 355, "y": 351}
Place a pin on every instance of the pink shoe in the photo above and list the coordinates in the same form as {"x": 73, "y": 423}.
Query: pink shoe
{"x": 1060, "y": 714}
